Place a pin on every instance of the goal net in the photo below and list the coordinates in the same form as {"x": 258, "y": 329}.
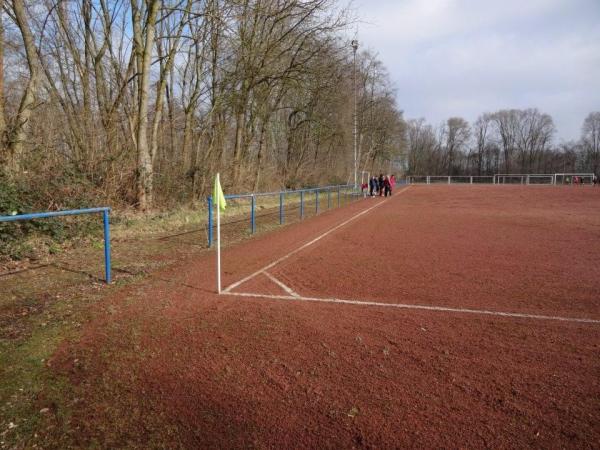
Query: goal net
{"x": 573, "y": 178}
{"x": 540, "y": 179}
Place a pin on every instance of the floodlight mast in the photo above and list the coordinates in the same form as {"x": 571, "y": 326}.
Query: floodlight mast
{"x": 354, "y": 44}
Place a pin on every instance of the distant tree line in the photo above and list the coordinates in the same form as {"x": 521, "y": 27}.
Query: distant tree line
{"x": 506, "y": 141}
{"x": 141, "y": 102}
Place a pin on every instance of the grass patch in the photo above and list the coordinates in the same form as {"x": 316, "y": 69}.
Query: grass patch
{"x": 29, "y": 392}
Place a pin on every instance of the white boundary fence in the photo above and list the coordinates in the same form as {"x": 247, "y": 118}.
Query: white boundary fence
{"x": 532, "y": 178}
{"x": 547, "y": 179}
{"x": 455, "y": 179}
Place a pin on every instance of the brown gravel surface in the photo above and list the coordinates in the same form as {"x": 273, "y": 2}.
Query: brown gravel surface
{"x": 524, "y": 249}
{"x": 171, "y": 364}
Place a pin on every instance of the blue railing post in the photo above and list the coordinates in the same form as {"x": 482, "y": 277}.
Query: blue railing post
{"x": 253, "y": 216}
{"x": 210, "y": 221}
{"x": 338, "y": 189}
{"x": 281, "y": 208}
{"x": 301, "y": 204}
{"x": 317, "y": 201}
{"x": 107, "y": 274}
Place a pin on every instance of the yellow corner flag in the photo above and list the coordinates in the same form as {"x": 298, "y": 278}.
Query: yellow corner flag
{"x": 221, "y": 204}
{"x": 218, "y": 196}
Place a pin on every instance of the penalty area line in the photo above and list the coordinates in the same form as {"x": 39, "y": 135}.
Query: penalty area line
{"x": 228, "y": 289}
{"x": 283, "y": 286}
{"x": 416, "y": 307}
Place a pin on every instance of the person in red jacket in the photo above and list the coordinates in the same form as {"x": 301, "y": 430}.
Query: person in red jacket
{"x": 392, "y": 183}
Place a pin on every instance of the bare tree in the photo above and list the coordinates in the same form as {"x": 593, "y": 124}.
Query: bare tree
{"x": 422, "y": 143}
{"x": 507, "y": 126}
{"x": 456, "y": 136}
{"x": 2, "y": 119}
{"x": 143, "y": 17}
{"x": 482, "y": 138}
{"x": 590, "y": 139}
{"x": 21, "y": 124}
{"x": 534, "y": 134}
{"x": 143, "y": 100}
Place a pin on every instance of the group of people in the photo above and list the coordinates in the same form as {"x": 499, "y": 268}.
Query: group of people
{"x": 380, "y": 186}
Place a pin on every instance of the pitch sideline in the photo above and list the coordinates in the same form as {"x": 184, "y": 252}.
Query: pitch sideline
{"x": 417, "y": 307}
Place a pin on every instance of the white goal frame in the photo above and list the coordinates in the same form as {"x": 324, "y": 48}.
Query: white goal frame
{"x": 569, "y": 176}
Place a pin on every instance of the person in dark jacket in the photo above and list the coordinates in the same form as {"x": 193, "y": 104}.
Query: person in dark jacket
{"x": 380, "y": 183}
{"x": 373, "y": 186}
{"x": 387, "y": 187}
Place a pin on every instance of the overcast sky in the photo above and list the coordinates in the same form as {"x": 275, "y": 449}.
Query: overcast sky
{"x": 464, "y": 57}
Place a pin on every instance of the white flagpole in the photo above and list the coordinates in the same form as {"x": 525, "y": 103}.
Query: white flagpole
{"x": 218, "y": 240}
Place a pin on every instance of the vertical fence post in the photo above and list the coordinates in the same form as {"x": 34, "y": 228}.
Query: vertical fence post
{"x": 209, "y": 201}
{"x": 252, "y": 215}
{"x": 301, "y": 204}
{"x": 317, "y": 201}
{"x": 107, "y": 274}
{"x": 281, "y": 208}
{"x": 471, "y": 180}
{"x": 338, "y": 192}
{"x": 329, "y": 198}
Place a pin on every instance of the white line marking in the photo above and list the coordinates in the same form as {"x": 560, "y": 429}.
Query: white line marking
{"x": 408, "y": 306}
{"x": 308, "y": 244}
{"x": 281, "y": 285}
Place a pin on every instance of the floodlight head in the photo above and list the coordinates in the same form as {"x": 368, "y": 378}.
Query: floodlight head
{"x": 354, "y": 44}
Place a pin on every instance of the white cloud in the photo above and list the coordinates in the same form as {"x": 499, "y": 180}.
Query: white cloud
{"x": 464, "y": 57}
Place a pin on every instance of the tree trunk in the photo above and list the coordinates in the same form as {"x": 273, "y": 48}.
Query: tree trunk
{"x": 144, "y": 181}
{"x": 259, "y": 155}
{"x": 26, "y": 106}
{"x": 237, "y": 149}
{"x": 2, "y": 121}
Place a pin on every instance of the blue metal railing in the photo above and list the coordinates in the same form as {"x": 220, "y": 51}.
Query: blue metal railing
{"x": 282, "y": 194}
{"x": 74, "y": 212}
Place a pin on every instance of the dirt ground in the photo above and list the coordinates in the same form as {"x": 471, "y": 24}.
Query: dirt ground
{"x": 168, "y": 363}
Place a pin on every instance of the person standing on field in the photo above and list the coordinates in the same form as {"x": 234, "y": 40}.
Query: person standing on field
{"x": 372, "y": 186}
{"x": 381, "y": 185}
{"x": 387, "y": 187}
{"x": 392, "y": 183}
